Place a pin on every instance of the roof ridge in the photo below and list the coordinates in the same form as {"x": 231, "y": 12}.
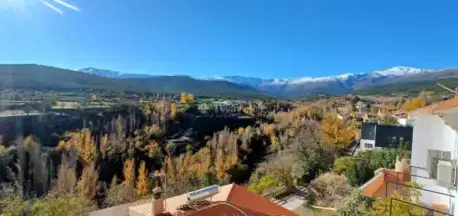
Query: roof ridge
{"x": 230, "y": 192}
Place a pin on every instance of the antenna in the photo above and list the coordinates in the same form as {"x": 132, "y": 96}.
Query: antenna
{"x": 447, "y": 88}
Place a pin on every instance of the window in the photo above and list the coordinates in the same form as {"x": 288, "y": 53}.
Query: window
{"x": 368, "y": 145}
{"x": 444, "y": 173}
{"x": 433, "y": 159}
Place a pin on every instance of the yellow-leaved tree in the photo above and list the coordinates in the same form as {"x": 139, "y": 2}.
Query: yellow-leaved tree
{"x": 336, "y": 133}
{"x": 219, "y": 166}
{"x": 186, "y": 98}
{"x": 415, "y": 103}
{"x": 173, "y": 111}
{"x": 129, "y": 172}
{"x": 142, "y": 181}
{"x": 87, "y": 185}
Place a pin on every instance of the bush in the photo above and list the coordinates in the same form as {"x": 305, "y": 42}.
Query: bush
{"x": 364, "y": 165}
{"x": 385, "y": 158}
{"x": 359, "y": 173}
{"x": 343, "y": 163}
{"x": 266, "y": 182}
{"x": 329, "y": 189}
{"x": 355, "y": 205}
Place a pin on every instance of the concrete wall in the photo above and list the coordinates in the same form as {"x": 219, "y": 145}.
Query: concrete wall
{"x": 430, "y": 132}
{"x": 364, "y": 141}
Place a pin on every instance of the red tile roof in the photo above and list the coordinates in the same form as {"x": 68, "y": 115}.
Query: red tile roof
{"x": 227, "y": 202}
{"x": 241, "y": 196}
{"x": 224, "y": 209}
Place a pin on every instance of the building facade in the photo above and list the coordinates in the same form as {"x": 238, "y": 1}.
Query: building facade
{"x": 374, "y": 135}
{"x": 434, "y": 155}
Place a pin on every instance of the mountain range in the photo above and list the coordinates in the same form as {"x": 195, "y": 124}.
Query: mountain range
{"x": 331, "y": 85}
{"x": 41, "y": 77}
{"x": 395, "y": 79}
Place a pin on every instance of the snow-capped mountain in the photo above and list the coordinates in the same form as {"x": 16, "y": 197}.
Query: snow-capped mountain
{"x": 390, "y": 72}
{"x": 111, "y": 74}
{"x": 303, "y": 86}
{"x": 339, "y": 84}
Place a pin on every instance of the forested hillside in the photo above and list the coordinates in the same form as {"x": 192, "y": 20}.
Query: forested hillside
{"x": 409, "y": 88}
{"x": 38, "y": 77}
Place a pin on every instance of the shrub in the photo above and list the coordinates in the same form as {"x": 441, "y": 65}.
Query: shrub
{"x": 266, "y": 182}
{"x": 355, "y": 205}
{"x": 343, "y": 163}
{"x": 359, "y": 173}
{"x": 329, "y": 189}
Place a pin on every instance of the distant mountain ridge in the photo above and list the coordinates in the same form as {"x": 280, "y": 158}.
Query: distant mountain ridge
{"x": 305, "y": 86}
{"x": 336, "y": 85}
{"x": 111, "y": 74}
{"x": 41, "y": 77}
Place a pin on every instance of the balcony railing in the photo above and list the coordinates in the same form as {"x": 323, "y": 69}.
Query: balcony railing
{"x": 426, "y": 210}
{"x": 403, "y": 177}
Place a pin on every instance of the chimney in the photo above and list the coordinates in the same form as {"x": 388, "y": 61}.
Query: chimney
{"x": 402, "y": 165}
{"x": 158, "y": 202}
{"x": 158, "y": 207}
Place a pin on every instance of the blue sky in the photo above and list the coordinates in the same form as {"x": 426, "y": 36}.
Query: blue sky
{"x": 203, "y": 38}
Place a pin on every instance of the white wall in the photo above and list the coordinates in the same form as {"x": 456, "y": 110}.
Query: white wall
{"x": 430, "y": 132}
{"x": 402, "y": 121}
{"x": 363, "y": 141}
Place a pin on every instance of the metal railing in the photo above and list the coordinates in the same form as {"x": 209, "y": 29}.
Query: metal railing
{"x": 429, "y": 210}
{"x": 408, "y": 178}
{"x": 450, "y": 197}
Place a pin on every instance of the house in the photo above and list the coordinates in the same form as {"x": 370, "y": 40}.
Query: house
{"x": 215, "y": 200}
{"x": 375, "y": 135}
{"x": 362, "y": 106}
{"x": 435, "y": 152}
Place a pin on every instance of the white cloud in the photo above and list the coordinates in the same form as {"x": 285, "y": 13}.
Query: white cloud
{"x": 65, "y": 4}
{"x": 54, "y": 8}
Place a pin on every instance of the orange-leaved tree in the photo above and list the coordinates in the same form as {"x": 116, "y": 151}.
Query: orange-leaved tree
{"x": 336, "y": 133}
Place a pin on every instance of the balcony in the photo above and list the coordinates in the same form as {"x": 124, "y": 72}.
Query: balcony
{"x": 386, "y": 182}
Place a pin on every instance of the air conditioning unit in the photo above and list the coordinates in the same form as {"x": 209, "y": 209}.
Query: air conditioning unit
{"x": 444, "y": 173}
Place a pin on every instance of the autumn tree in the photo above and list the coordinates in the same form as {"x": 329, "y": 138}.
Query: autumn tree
{"x": 142, "y": 181}
{"x": 84, "y": 144}
{"x": 219, "y": 166}
{"x": 415, "y": 103}
{"x": 312, "y": 156}
{"x": 186, "y": 98}
{"x": 129, "y": 172}
{"x": 336, "y": 133}
{"x": 66, "y": 179}
{"x": 87, "y": 185}
{"x": 173, "y": 111}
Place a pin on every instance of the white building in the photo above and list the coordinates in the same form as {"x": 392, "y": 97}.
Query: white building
{"x": 434, "y": 154}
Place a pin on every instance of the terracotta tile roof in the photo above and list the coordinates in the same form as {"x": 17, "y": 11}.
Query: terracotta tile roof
{"x": 239, "y": 196}
{"x": 223, "y": 209}
{"x": 438, "y": 107}
{"x": 172, "y": 203}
